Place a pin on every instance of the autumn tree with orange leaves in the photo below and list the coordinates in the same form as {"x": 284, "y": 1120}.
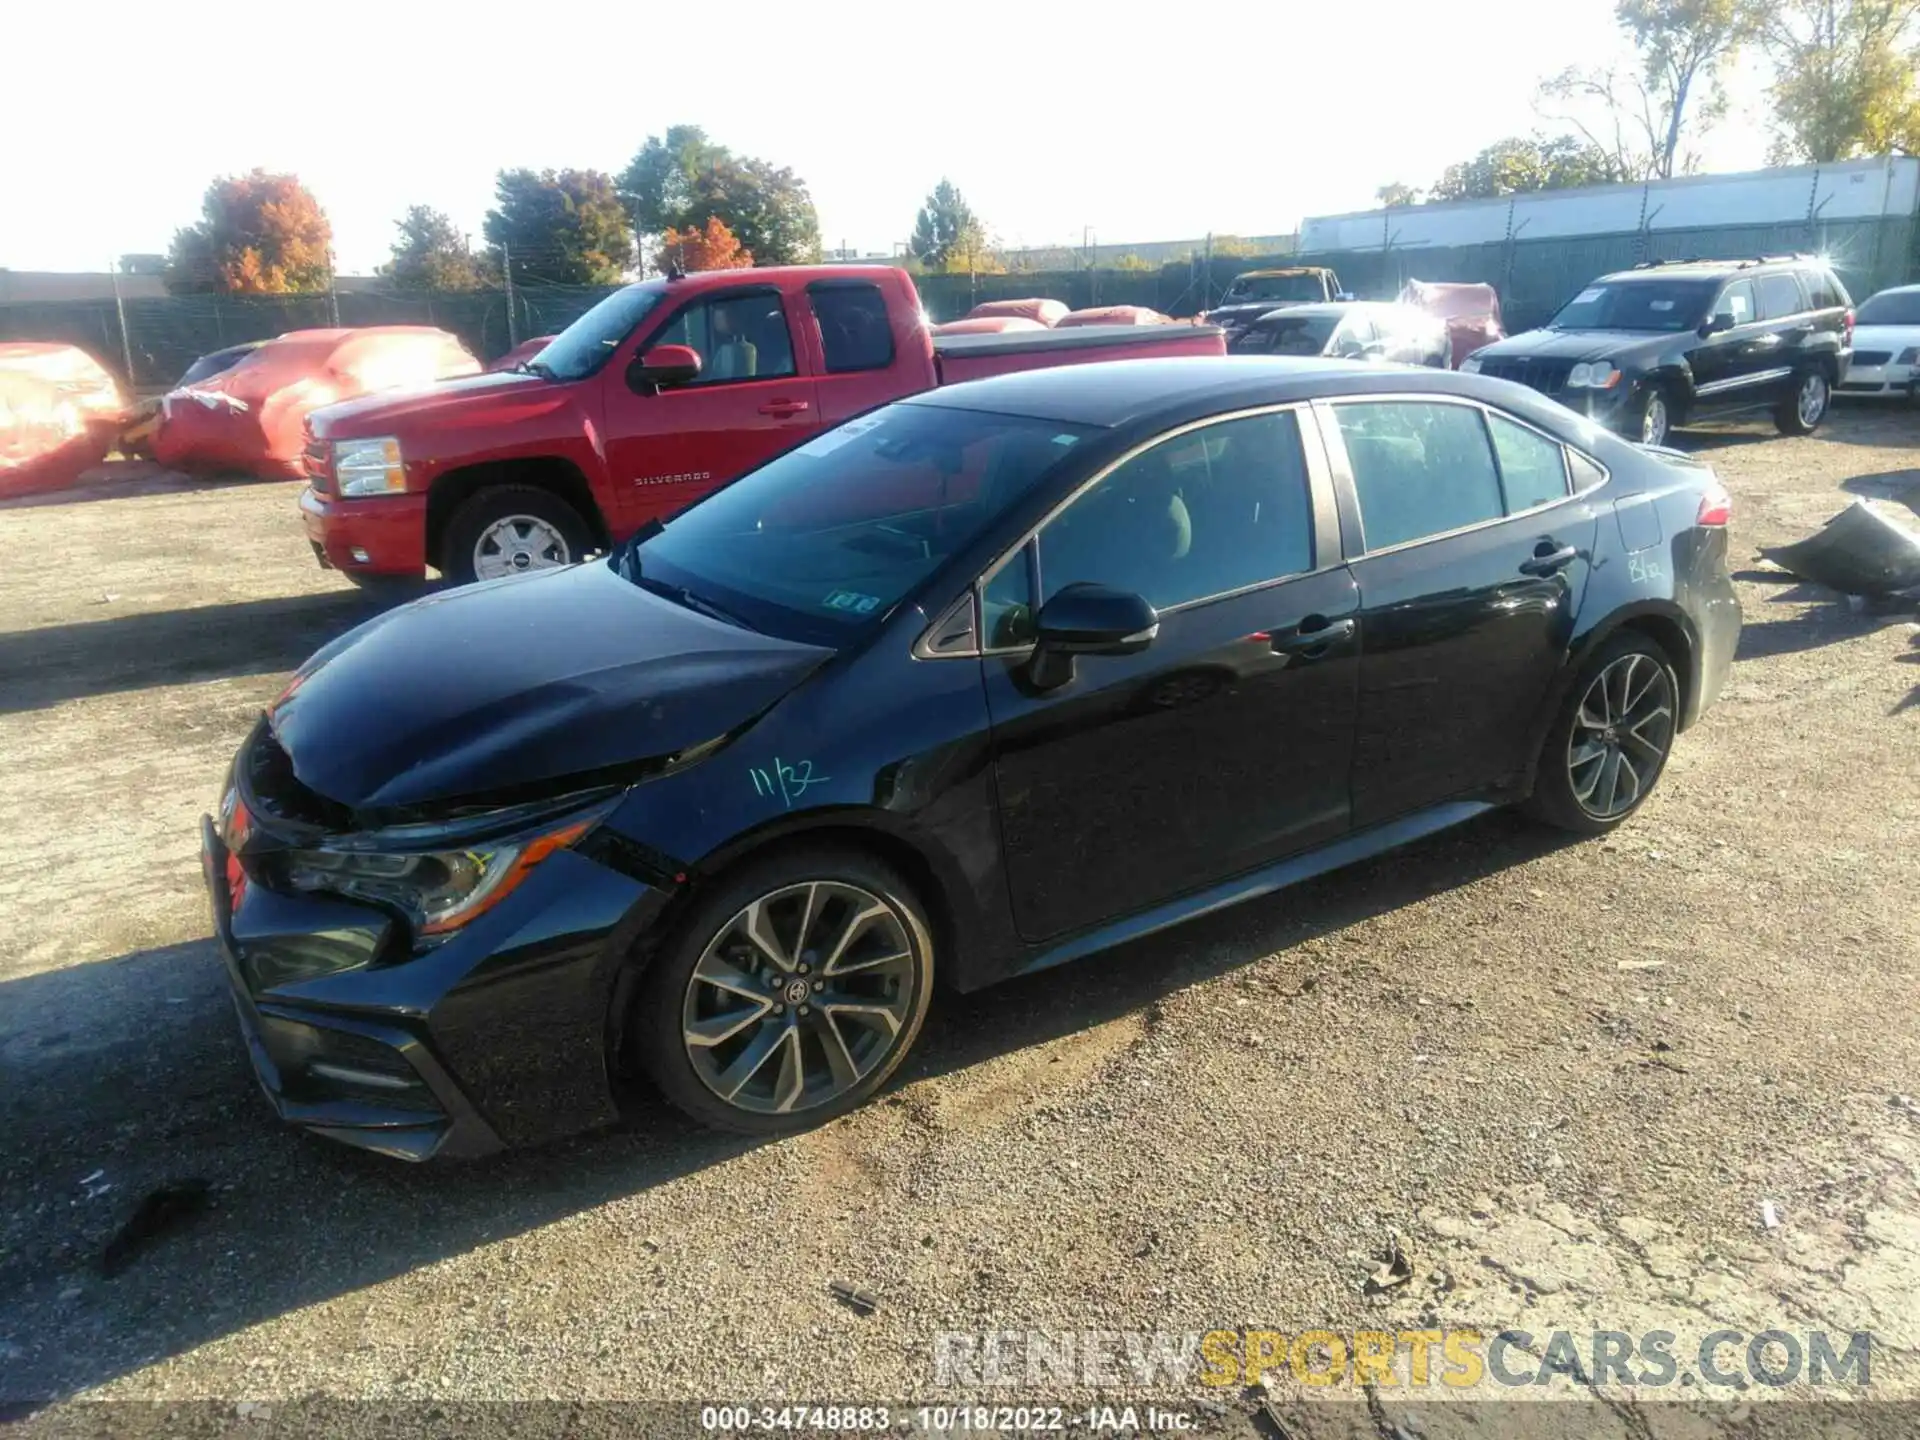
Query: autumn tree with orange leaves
{"x": 713, "y": 248}
{"x": 259, "y": 234}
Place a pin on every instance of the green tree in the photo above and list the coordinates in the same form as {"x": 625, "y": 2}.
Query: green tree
{"x": 431, "y": 254}
{"x": 258, "y": 233}
{"x": 1640, "y": 115}
{"x": 1845, "y": 78}
{"x": 683, "y": 179}
{"x": 1521, "y": 163}
{"x": 1396, "y": 195}
{"x": 564, "y": 227}
{"x": 944, "y": 221}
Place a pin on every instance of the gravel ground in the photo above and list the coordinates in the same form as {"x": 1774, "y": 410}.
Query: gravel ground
{"x": 1563, "y": 1078}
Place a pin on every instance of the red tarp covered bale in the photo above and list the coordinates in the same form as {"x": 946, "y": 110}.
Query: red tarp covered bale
{"x": 987, "y": 325}
{"x": 59, "y": 412}
{"x": 1112, "y": 315}
{"x": 252, "y": 418}
{"x": 1472, "y": 313}
{"x": 1046, "y": 312}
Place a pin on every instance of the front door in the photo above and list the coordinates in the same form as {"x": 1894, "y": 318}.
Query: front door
{"x": 1471, "y": 564}
{"x": 1721, "y": 363}
{"x": 1226, "y": 743}
{"x": 668, "y": 448}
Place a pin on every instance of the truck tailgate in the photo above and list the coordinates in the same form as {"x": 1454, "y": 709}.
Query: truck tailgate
{"x": 974, "y": 357}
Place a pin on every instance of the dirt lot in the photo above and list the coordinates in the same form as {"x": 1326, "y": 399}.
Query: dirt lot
{"x": 1565, "y": 1076}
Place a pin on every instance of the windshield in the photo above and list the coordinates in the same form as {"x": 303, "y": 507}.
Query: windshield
{"x": 1638, "y": 305}
{"x": 1891, "y": 307}
{"x": 1286, "y": 335}
{"x": 830, "y": 536}
{"x": 583, "y": 347}
{"x": 1275, "y": 287}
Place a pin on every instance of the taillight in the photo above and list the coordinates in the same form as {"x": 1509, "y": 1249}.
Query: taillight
{"x": 1846, "y": 329}
{"x": 1716, "y": 506}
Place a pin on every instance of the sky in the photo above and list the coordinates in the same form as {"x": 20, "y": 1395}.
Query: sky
{"x": 1067, "y": 119}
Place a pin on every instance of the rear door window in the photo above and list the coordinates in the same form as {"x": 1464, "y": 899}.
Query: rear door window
{"x": 1419, "y": 469}
{"x": 854, "y": 330}
{"x": 1822, "y": 292}
{"x": 1780, "y": 296}
{"x": 1533, "y": 468}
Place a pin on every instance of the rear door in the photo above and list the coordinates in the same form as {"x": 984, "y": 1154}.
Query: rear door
{"x": 1471, "y": 554}
{"x": 857, "y": 367}
{"x": 750, "y": 401}
{"x": 1226, "y": 743}
{"x": 1783, "y": 341}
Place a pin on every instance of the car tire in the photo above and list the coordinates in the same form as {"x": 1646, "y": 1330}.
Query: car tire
{"x": 1650, "y": 416}
{"x": 1609, "y": 742}
{"x": 1801, "y": 412}
{"x": 512, "y": 521}
{"x": 717, "y": 1011}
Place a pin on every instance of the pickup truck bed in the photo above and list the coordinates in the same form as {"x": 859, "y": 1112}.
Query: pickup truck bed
{"x": 973, "y": 357}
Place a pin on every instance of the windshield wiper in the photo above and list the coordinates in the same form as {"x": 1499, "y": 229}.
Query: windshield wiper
{"x": 699, "y": 604}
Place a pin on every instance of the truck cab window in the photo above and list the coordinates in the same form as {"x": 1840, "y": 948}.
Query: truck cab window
{"x": 854, "y": 331}
{"x": 738, "y": 337}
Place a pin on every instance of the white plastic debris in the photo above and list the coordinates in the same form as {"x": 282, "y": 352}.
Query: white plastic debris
{"x": 1769, "y": 1216}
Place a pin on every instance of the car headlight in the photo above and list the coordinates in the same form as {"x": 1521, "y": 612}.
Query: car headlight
{"x": 1908, "y": 356}
{"x": 369, "y": 467}
{"x": 1598, "y": 375}
{"x": 438, "y": 883}
{"x": 1470, "y": 365}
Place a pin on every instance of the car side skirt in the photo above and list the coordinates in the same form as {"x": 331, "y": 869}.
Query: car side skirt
{"x": 1361, "y": 846}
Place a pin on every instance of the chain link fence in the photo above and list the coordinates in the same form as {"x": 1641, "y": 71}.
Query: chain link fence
{"x": 161, "y": 337}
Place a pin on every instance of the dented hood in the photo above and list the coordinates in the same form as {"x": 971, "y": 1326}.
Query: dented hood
{"x": 522, "y": 682}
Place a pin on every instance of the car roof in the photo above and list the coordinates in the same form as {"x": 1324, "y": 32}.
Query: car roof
{"x": 1320, "y": 307}
{"x": 1283, "y": 271}
{"x": 1122, "y": 392}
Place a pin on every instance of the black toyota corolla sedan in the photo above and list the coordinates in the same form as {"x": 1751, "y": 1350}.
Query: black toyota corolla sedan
{"x": 983, "y": 681}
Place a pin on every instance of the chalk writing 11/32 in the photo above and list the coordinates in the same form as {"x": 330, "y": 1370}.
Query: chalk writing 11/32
{"x": 789, "y": 782}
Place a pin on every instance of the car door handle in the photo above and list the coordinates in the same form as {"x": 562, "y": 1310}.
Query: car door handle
{"x": 1313, "y": 637}
{"x": 784, "y": 408}
{"x": 1546, "y": 562}
{"x": 1765, "y": 342}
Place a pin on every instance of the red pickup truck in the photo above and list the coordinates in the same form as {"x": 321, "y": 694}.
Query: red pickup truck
{"x": 657, "y": 395}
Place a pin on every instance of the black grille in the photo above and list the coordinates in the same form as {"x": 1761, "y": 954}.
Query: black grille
{"x": 1872, "y": 357}
{"x": 1548, "y": 376}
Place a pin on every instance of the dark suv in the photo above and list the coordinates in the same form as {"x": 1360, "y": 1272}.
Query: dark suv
{"x": 1672, "y": 342}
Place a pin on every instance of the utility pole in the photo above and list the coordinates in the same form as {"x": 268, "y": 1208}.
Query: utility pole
{"x": 1206, "y": 277}
{"x": 120, "y": 308}
{"x": 333, "y": 291}
{"x": 506, "y": 269}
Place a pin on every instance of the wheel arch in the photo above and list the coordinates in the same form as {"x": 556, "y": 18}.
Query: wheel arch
{"x": 933, "y": 883}
{"x": 1661, "y": 621}
{"x": 560, "y": 477}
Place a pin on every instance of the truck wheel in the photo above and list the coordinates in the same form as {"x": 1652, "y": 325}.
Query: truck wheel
{"x": 1650, "y": 417}
{"x": 509, "y": 530}
{"x": 1802, "y": 411}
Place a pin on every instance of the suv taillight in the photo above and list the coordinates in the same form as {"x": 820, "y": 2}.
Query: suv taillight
{"x": 1846, "y": 329}
{"x": 1716, "y": 506}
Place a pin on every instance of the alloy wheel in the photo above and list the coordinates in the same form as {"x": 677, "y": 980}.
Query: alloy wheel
{"x": 800, "y": 997}
{"x": 1653, "y": 423}
{"x": 514, "y": 544}
{"x": 1812, "y": 402}
{"x": 1621, "y": 735}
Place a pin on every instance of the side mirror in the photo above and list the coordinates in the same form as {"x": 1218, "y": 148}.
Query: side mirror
{"x": 1088, "y": 619}
{"x": 1345, "y": 295}
{"x": 662, "y": 365}
{"x": 1722, "y": 321}
{"x": 1373, "y": 350}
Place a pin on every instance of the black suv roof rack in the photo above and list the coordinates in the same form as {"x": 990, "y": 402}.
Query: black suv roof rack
{"x": 1731, "y": 263}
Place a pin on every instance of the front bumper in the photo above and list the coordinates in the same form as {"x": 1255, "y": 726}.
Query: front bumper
{"x": 1888, "y": 379}
{"x": 386, "y": 535}
{"x": 498, "y": 1037}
